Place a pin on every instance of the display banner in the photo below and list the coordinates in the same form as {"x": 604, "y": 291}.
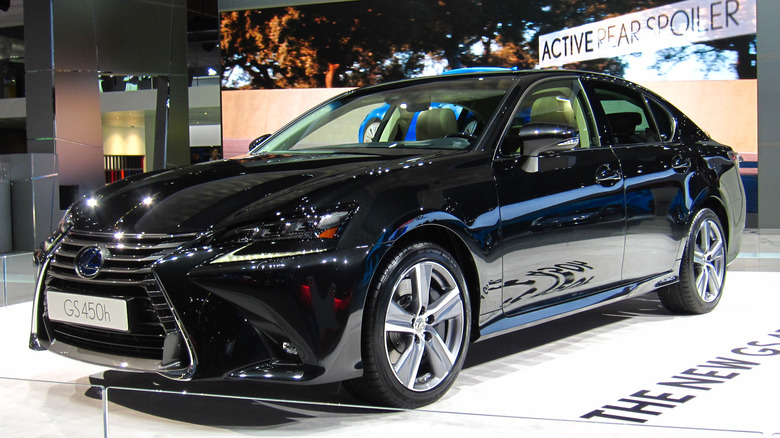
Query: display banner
{"x": 679, "y": 24}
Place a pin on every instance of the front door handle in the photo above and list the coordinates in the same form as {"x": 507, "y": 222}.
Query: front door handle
{"x": 680, "y": 163}
{"x": 606, "y": 176}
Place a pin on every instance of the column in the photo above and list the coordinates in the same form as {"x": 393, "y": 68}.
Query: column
{"x": 768, "y": 42}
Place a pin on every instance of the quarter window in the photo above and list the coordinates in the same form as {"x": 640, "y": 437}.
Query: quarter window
{"x": 663, "y": 120}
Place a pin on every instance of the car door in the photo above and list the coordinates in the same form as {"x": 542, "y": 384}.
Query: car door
{"x": 656, "y": 166}
{"x": 561, "y": 200}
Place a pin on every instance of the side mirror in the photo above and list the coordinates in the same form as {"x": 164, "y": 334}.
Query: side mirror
{"x": 534, "y": 139}
{"x": 537, "y": 138}
{"x": 256, "y": 142}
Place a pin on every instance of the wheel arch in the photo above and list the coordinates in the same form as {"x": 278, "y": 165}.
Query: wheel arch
{"x": 451, "y": 242}
{"x": 716, "y": 205}
{"x": 688, "y": 295}
{"x": 704, "y": 200}
{"x": 380, "y": 381}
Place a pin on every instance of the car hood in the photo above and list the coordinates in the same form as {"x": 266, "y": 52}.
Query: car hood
{"x": 225, "y": 193}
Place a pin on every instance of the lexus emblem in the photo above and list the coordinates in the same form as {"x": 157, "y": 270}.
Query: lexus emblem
{"x": 89, "y": 261}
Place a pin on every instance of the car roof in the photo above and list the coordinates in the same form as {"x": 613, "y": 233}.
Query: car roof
{"x": 497, "y": 72}
{"x": 547, "y": 73}
{"x": 533, "y": 75}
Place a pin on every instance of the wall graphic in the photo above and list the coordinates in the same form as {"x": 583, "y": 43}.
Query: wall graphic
{"x": 358, "y": 43}
{"x": 676, "y": 25}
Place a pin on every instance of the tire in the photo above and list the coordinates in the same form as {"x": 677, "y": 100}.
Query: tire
{"x": 416, "y": 328}
{"x": 702, "y": 269}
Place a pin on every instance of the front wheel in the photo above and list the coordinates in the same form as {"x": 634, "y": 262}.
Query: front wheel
{"x": 415, "y": 330}
{"x": 702, "y": 269}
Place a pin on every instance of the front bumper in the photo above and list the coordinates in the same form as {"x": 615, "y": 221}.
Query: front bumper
{"x": 155, "y": 339}
{"x": 283, "y": 319}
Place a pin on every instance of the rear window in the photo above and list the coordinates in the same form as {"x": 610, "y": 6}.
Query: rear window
{"x": 627, "y": 115}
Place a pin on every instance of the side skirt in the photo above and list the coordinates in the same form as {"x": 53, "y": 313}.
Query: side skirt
{"x": 503, "y": 324}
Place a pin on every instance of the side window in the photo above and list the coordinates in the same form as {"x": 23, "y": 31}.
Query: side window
{"x": 664, "y": 120}
{"x": 627, "y": 115}
{"x": 559, "y": 102}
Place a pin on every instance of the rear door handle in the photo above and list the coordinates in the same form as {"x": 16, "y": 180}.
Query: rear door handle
{"x": 606, "y": 176}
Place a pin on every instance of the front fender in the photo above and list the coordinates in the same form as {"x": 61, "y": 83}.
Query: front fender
{"x": 474, "y": 245}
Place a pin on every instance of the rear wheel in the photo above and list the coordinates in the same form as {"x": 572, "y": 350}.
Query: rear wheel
{"x": 702, "y": 269}
{"x": 415, "y": 329}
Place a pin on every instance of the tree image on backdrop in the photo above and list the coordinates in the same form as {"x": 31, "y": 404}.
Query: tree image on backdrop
{"x": 357, "y": 43}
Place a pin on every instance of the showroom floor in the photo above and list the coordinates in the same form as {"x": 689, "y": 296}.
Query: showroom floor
{"x": 627, "y": 369}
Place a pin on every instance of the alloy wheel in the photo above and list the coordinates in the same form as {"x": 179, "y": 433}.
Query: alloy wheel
{"x": 709, "y": 260}
{"x": 424, "y": 326}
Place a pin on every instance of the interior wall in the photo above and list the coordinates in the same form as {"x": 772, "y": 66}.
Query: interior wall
{"x": 726, "y": 110}
{"x": 123, "y": 141}
{"x": 248, "y": 114}
{"x": 205, "y": 135}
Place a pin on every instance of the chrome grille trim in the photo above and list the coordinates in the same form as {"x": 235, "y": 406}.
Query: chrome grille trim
{"x": 76, "y": 278}
{"x": 156, "y": 334}
{"x": 87, "y": 242}
{"x": 35, "y": 342}
{"x": 109, "y": 360}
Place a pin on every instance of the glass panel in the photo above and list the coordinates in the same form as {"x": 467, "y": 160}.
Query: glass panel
{"x": 18, "y": 278}
{"x": 557, "y": 102}
{"x": 540, "y": 379}
{"x": 436, "y": 115}
{"x": 11, "y": 67}
{"x": 663, "y": 120}
{"x": 169, "y": 413}
{"x": 33, "y": 408}
{"x": 2, "y": 282}
{"x": 627, "y": 115}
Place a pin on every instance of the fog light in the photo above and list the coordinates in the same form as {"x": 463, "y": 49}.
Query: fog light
{"x": 289, "y": 348}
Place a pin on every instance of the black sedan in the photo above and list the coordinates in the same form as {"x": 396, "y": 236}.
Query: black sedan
{"x": 481, "y": 203}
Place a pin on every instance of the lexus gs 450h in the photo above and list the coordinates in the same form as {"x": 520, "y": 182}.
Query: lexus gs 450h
{"x": 477, "y": 204}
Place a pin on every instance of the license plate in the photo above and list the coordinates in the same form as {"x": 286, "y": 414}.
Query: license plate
{"x": 106, "y": 313}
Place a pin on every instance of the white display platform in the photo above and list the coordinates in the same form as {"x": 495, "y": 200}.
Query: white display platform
{"x": 699, "y": 376}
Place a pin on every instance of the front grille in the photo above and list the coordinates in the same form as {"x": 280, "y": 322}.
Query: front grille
{"x": 126, "y": 273}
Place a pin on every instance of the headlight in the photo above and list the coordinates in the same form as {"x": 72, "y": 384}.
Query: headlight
{"x": 306, "y": 227}
{"x": 287, "y": 237}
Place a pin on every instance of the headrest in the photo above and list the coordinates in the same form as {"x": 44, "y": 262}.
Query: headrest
{"x": 624, "y": 123}
{"x": 553, "y": 109}
{"x": 436, "y": 123}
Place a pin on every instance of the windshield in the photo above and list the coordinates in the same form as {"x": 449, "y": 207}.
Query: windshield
{"x": 445, "y": 114}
